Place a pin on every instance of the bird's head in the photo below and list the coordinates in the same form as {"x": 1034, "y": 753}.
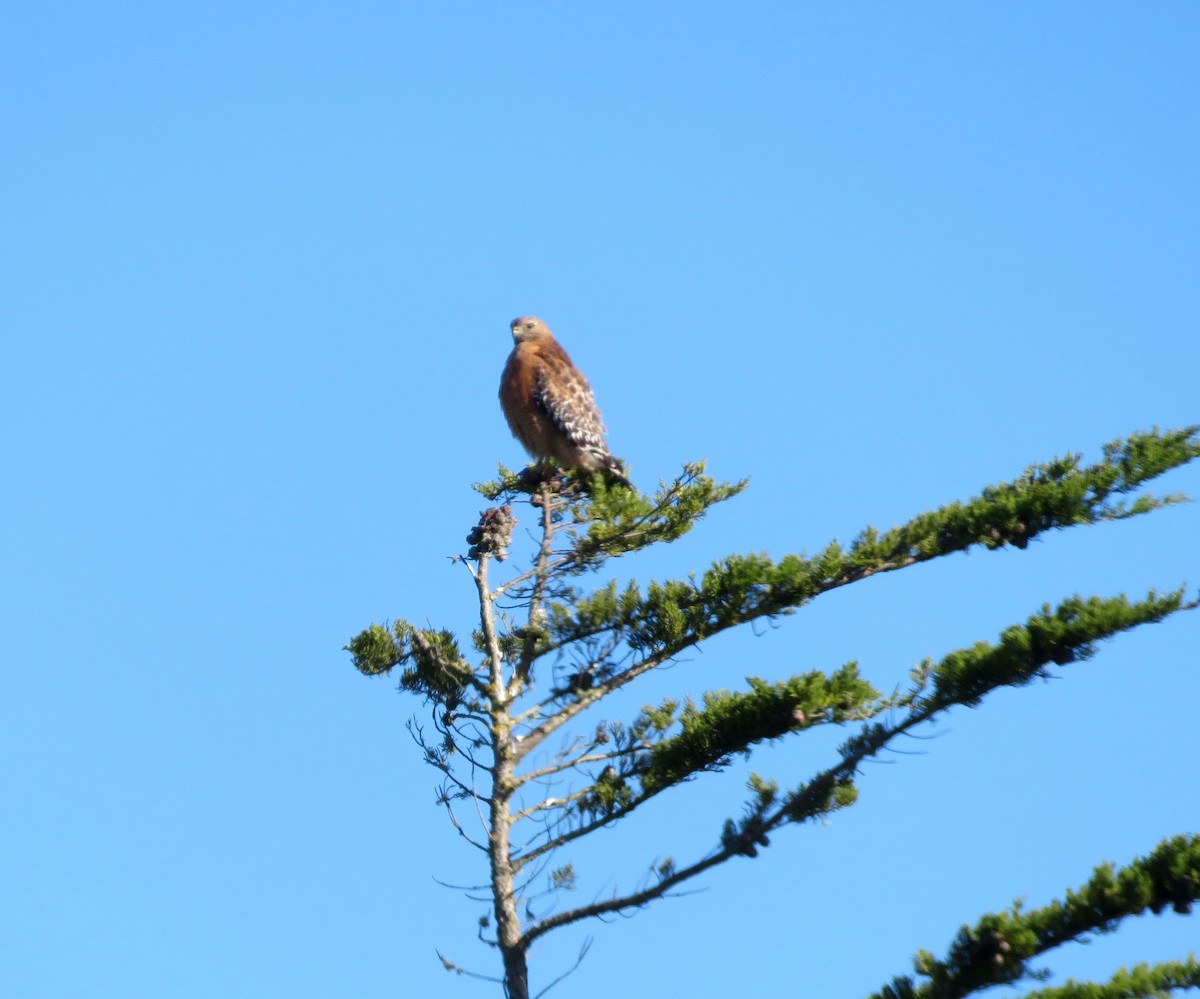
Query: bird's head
{"x": 528, "y": 328}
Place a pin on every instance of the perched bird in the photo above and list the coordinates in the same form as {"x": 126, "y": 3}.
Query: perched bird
{"x": 549, "y": 404}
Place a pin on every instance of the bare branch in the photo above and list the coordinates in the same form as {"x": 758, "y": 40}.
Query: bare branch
{"x": 458, "y": 970}
{"x": 587, "y": 945}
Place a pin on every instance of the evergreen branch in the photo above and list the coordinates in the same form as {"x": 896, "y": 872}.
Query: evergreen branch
{"x": 998, "y": 948}
{"x": 619, "y": 520}
{"x": 608, "y": 521}
{"x": 435, "y": 666}
{"x": 1143, "y": 981}
{"x": 744, "y": 588}
{"x": 799, "y": 703}
{"x": 1068, "y": 633}
{"x": 507, "y": 485}
{"x": 731, "y": 723}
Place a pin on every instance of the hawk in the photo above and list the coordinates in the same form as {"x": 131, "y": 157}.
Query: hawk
{"x": 549, "y": 404}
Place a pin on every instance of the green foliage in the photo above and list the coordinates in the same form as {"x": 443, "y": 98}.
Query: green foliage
{"x": 375, "y": 651}
{"x": 670, "y": 616}
{"x": 997, "y": 949}
{"x": 619, "y": 521}
{"x": 610, "y": 792}
{"x": 495, "y": 714}
{"x": 564, "y": 877}
{"x": 604, "y": 520}
{"x": 1140, "y": 982}
{"x": 1057, "y": 494}
{"x": 436, "y": 668}
{"x": 1065, "y": 634}
{"x": 748, "y": 834}
{"x": 730, "y": 723}
{"x": 506, "y": 483}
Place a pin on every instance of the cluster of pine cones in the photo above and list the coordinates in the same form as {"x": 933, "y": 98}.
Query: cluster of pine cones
{"x": 493, "y": 534}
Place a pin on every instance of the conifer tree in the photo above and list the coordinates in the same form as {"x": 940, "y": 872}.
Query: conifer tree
{"x": 549, "y": 650}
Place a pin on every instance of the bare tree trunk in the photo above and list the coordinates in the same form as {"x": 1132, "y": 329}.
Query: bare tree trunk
{"x": 508, "y": 923}
{"x": 516, "y": 979}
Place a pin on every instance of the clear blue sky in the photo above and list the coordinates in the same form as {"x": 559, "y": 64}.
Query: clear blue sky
{"x": 258, "y": 265}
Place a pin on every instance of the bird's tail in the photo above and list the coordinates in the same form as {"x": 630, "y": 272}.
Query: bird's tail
{"x": 616, "y": 471}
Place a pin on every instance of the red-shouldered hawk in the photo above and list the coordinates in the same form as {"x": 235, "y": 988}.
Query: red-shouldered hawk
{"x": 549, "y": 404}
